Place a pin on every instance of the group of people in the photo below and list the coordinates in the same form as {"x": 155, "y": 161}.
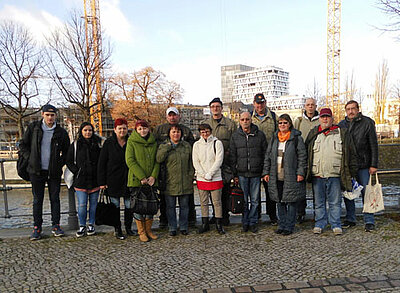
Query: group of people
{"x": 264, "y": 148}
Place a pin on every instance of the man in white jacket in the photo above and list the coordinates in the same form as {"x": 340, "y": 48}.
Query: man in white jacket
{"x": 208, "y": 155}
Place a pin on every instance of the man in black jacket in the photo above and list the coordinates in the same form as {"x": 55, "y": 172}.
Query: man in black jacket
{"x": 362, "y": 130}
{"x": 247, "y": 149}
{"x": 45, "y": 145}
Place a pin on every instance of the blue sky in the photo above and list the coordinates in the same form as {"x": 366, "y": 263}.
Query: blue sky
{"x": 190, "y": 40}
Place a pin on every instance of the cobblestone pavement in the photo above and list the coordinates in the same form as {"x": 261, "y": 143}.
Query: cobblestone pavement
{"x": 236, "y": 262}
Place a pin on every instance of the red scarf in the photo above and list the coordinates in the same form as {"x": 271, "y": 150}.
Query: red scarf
{"x": 327, "y": 130}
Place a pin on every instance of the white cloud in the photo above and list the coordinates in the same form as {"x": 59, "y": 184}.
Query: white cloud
{"x": 114, "y": 22}
{"x": 173, "y": 35}
{"x": 39, "y": 22}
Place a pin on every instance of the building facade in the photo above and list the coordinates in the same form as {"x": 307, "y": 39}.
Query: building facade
{"x": 227, "y": 80}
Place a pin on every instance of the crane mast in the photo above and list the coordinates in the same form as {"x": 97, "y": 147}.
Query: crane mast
{"x": 93, "y": 47}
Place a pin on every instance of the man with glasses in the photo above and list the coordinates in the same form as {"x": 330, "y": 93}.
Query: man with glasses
{"x": 362, "y": 130}
{"x": 222, "y": 128}
{"x": 247, "y": 150}
{"x": 265, "y": 119}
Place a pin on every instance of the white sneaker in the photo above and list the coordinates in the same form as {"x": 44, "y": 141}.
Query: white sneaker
{"x": 317, "y": 230}
{"x": 337, "y": 231}
{"x": 81, "y": 232}
{"x": 90, "y": 230}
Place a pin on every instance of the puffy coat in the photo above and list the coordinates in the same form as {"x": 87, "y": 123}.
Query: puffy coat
{"x": 348, "y": 168}
{"x": 294, "y": 163}
{"x": 85, "y": 165}
{"x": 112, "y": 169}
{"x": 207, "y": 159}
{"x": 362, "y": 130}
{"x": 179, "y": 167}
{"x": 161, "y": 133}
{"x": 30, "y": 147}
{"x": 247, "y": 152}
{"x": 140, "y": 157}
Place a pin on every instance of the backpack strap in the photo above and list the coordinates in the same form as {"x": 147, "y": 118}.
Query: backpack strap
{"x": 274, "y": 118}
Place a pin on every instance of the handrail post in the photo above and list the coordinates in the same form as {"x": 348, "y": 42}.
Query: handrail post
{"x": 3, "y": 179}
{"x": 72, "y": 215}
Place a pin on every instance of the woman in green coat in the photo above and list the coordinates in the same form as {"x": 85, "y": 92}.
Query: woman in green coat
{"x": 143, "y": 170}
{"x": 177, "y": 155}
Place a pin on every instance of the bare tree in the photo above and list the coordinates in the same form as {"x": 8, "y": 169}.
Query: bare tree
{"x": 392, "y": 9}
{"x": 73, "y": 63}
{"x": 314, "y": 91}
{"x": 381, "y": 92}
{"x": 21, "y": 62}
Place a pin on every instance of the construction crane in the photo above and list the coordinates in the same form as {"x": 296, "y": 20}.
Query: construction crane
{"x": 93, "y": 47}
{"x": 333, "y": 57}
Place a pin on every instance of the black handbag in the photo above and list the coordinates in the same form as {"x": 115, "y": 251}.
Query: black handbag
{"x": 144, "y": 200}
{"x": 236, "y": 200}
{"x": 106, "y": 212}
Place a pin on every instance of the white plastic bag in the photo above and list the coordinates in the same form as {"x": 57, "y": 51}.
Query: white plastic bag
{"x": 68, "y": 177}
{"x": 355, "y": 192}
{"x": 373, "y": 199}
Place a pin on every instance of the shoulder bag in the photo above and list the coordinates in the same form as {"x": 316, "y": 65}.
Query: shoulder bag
{"x": 144, "y": 200}
{"x": 373, "y": 198}
{"x": 106, "y": 212}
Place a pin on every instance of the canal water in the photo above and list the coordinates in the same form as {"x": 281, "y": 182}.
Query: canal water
{"x": 20, "y": 203}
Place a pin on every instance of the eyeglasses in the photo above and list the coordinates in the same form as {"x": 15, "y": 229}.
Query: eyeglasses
{"x": 244, "y": 119}
{"x": 283, "y": 122}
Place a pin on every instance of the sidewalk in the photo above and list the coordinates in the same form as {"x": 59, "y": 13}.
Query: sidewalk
{"x": 236, "y": 262}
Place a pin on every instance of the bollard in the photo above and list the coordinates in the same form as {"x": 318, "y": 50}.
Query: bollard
{"x": 72, "y": 215}
{"x": 3, "y": 179}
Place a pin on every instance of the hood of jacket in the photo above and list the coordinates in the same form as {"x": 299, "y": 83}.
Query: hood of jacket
{"x": 314, "y": 117}
{"x": 138, "y": 139}
{"x": 211, "y": 138}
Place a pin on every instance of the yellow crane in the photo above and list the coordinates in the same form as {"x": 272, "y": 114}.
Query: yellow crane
{"x": 93, "y": 47}
{"x": 333, "y": 57}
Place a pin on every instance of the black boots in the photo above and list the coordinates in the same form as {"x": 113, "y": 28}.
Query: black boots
{"x": 205, "y": 226}
{"x": 128, "y": 218}
{"x": 220, "y": 229}
{"x": 118, "y": 232}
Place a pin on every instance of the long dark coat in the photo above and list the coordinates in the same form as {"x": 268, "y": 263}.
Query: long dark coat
{"x": 294, "y": 163}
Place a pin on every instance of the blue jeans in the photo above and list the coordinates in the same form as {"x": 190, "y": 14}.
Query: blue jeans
{"x": 362, "y": 178}
{"x": 115, "y": 200}
{"x": 183, "y": 211}
{"x": 286, "y": 211}
{"x": 327, "y": 189}
{"x": 251, "y": 189}
{"x": 82, "y": 206}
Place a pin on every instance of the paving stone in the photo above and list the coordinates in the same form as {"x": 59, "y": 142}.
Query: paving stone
{"x": 331, "y": 289}
{"x": 378, "y": 278}
{"x": 357, "y": 279}
{"x": 395, "y": 283}
{"x": 243, "y": 289}
{"x": 268, "y": 287}
{"x": 219, "y": 290}
{"x": 318, "y": 283}
{"x": 287, "y": 291}
{"x": 354, "y": 287}
{"x": 395, "y": 276}
{"x": 377, "y": 285}
{"x": 295, "y": 285}
{"x": 337, "y": 281}
{"x": 311, "y": 290}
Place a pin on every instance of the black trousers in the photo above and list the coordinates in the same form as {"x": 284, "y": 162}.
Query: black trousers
{"x": 53, "y": 186}
{"x": 270, "y": 204}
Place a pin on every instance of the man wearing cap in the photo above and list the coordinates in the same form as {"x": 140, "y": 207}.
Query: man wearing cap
{"x": 161, "y": 134}
{"x": 305, "y": 123}
{"x": 265, "y": 119}
{"x": 362, "y": 130}
{"x": 331, "y": 165}
{"x": 222, "y": 128}
{"x": 46, "y": 144}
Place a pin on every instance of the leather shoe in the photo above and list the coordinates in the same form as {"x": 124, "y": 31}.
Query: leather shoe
{"x": 172, "y": 233}
{"x": 245, "y": 228}
{"x": 184, "y": 232}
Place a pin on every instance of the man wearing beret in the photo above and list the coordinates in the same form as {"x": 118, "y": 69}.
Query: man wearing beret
{"x": 45, "y": 143}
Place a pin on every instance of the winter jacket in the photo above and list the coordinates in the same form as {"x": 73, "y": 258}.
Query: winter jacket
{"x": 112, "y": 169}
{"x": 140, "y": 157}
{"x": 348, "y": 168}
{"x": 294, "y": 163}
{"x": 223, "y": 130}
{"x": 179, "y": 167}
{"x": 207, "y": 159}
{"x": 30, "y": 147}
{"x": 84, "y": 167}
{"x": 305, "y": 124}
{"x": 268, "y": 125}
{"x": 161, "y": 133}
{"x": 247, "y": 152}
{"x": 362, "y": 130}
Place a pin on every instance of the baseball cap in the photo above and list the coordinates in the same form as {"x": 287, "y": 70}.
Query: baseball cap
{"x": 325, "y": 112}
{"x": 259, "y": 98}
{"x": 49, "y": 108}
{"x": 172, "y": 109}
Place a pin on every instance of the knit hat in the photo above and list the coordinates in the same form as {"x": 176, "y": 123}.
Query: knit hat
{"x": 215, "y": 100}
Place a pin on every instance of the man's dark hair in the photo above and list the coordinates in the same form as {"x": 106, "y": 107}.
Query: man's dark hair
{"x": 352, "y": 102}
{"x": 175, "y": 127}
{"x": 204, "y": 126}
